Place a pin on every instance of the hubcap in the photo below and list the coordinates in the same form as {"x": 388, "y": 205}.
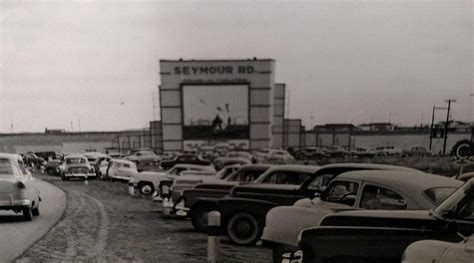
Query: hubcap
{"x": 146, "y": 189}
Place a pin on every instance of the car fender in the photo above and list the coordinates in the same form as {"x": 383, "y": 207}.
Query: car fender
{"x": 230, "y": 205}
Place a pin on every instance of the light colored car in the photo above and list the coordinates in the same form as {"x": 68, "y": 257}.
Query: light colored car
{"x": 280, "y": 157}
{"x": 440, "y": 251}
{"x": 77, "y": 166}
{"x": 388, "y": 150}
{"x": 147, "y": 182}
{"x": 143, "y": 157}
{"x": 17, "y": 187}
{"x": 121, "y": 170}
{"x": 381, "y": 190}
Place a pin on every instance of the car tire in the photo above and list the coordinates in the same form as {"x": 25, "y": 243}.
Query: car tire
{"x": 146, "y": 188}
{"x": 36, "y": 211}
{"x": 27, "y": 213}
{"x": 199, "y": 217}
{"x": 243, "y": 229}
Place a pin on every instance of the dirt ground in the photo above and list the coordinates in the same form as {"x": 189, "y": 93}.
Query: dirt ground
{"x": 102, "y": 223}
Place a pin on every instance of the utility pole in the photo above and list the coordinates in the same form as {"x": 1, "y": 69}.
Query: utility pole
{"x": 447, "y": 124}
{"x": 432, "y": 123}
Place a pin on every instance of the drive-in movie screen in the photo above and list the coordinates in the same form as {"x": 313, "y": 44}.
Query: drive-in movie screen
{"x": 215, "y": 112}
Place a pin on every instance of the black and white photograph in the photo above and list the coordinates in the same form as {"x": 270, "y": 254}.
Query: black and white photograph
{"x": 325, "y": 131}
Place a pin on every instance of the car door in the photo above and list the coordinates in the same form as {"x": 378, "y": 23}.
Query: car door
{"x": 287, "y": 195}
{"x": 382, "y": 198}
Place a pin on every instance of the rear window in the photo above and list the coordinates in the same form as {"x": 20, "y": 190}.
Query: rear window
{"x": 5, "y": 167}
{"x": 438, "y": 194}
{"x": 75, "y": 160}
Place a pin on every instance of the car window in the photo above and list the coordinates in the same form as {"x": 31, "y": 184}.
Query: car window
{"x": 374, "y": 197}
{"x": 22, "y": 167}
{"x": 342, "y": 192}
{"x": 126, "y": 165}
{"x": 75, "y": 160}
{"x": 5, "y": 167}
{"x": 286, "y": 177}
{"x": 438, "y": 194}
{"x": 320, "y": 182}
{"x": 466, "y": 210}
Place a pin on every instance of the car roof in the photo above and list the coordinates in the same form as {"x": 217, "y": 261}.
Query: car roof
{"x": 121, "y": 161}
{"x": 374, "y": 166}
{"x": 294, "y": 168}
{"x": 410, "y": 184}
{"x": 260, "y": 166}
{"x": 187, "y": 165}
{"x": 75, "y": 155}
{"x": 11, "y": 156}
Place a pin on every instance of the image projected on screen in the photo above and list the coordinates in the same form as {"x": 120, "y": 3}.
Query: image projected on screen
{"x": 215, "y": 112}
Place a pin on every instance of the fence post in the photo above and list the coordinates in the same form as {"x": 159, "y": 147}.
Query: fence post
{"x": 213, "y": 239}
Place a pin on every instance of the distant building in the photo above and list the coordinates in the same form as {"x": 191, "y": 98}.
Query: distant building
{"x": 334, "y": 127}
{"x": 377, "y": 126}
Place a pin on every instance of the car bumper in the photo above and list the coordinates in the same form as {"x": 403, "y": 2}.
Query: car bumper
{"x": 80, "y": 175}
{"x": 179, "y": 209}
{"x": 6, "y": 204}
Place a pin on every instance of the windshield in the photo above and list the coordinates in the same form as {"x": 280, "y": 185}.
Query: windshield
{"x": 449, "y": 204}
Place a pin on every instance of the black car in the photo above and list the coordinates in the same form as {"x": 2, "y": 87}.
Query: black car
{"x": 243, "y": 212}
{"x": 185, "y": 158}
{"x": 202, "y": 199}
{"x": 382, "y": 236}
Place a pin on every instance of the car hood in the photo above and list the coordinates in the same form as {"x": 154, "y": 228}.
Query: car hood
{"x": 284, "y": 223}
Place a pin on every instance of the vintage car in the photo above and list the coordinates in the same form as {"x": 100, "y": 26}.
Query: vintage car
{"x": 143, "y": 157}
{"x": 243, "y": 212}
{"x": 17, "y": 187}
{"x": 120, "y": 169}
{"x": 383, "y": 235}
{"x": 385, "y": 190}
{"x": 187, "y": 180}
{"x": 147, "y": 182}
{"x": 233, "y": 158}
{"x": 280, "y": 157}
{"x": 440, "y": 251}
{"x": 185, "y": 159}
{"x": 77, "y": 166}
{"x": 52, "y": 167}
{"x": 202, "y": 198}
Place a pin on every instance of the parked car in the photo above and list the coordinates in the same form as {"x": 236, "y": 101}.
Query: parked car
{"x": 247, "y": 205}
{"x": 385, "y": 190}
{"x": 120, "y": 169}
{"x": 361, "y": 152}
{"x": 143, "y": 157}
{"x": 388, "y": 151}
{"x": 32, "y": 160}
{"x": 335, "y": 151}
{"x": 188, "y": 180}
{"x": 417, "y": 151}
{"x": 313, "y": 153}
{"x": 233, "y": 157}
{"x": 166, "y": 156}
{"x": 185, "y": 159}
{"x": 280, "y": 157}
{"x": 76, "y": 166}
{"x": 383, "y": 235}
{"x": 202, "y": 199}
{"x": 17, "y": 187}
{"x": 52, "y": 167}
{"x": 148, "y": 182}
{"x": 440, "y": 251}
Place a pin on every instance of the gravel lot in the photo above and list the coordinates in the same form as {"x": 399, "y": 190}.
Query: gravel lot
{"x": 103, "y": 223}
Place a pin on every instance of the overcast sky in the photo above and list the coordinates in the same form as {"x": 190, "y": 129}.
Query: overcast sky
{"x": 354, "y": 61}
